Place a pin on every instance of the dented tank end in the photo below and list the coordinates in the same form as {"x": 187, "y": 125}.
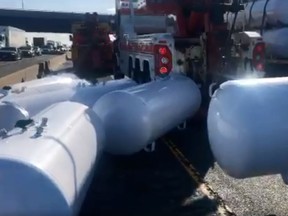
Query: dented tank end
{"x": 247, "y": 127}
{"x": 10, "y": 113}
{"x": 47, "y": 169}
{"x": 136, "y": 117}
{"x": 34, "y": 103}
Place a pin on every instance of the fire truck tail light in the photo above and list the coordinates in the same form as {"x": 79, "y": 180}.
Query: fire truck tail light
{"x": 163, "y": 60}
{"x": 163, "y": 51}
{"x": 260, "y": 67}
{"x": 259, "y": 57}
{"x": 163, "y": 70}
{"x": 260, "y": 47}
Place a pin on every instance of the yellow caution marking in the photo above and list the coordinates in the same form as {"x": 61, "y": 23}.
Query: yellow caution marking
{"x": 222, "y": 208}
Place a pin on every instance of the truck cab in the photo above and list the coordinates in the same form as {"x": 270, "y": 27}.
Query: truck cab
{"x": 92, "y": 49}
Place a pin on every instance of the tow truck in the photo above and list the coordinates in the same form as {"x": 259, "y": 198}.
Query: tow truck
{"x": 92, "y": 47}
{"x": 189, "y": 37}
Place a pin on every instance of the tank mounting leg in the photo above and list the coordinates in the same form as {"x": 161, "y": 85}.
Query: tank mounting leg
{"x": 212, "y": 89}
{"x": 285, "y": 178}
{"x": 182, "y": 126}
{"x": 150, "y": 147}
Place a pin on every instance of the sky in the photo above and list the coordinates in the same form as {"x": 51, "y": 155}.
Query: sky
{"x": 100, "y": 6}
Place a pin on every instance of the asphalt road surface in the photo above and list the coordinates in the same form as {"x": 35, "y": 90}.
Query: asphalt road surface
{"x": 156, "y": 184}
{"x": 7, "y": 67}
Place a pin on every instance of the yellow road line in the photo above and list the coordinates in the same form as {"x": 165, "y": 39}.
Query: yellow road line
{"x": 203, "y": 186}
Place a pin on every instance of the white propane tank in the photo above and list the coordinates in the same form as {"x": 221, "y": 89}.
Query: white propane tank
{"x": 247, "y": 127}
{"x": 45, "y": 84}
{"x": 276, "y": 42}
{"x": 10, "y": 113}
{"x": 135, "y": 117}
{"x": 276, "y": 14}
{"x": 14, "y": 108}
{"x": 46, "y": 170}
{"x": 90, "y": 94}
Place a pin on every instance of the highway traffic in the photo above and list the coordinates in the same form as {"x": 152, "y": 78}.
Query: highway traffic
{"x": 8, "y": 67}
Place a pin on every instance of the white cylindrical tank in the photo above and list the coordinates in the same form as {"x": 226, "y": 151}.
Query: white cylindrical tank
{"x": 47, "y": 169}
{"x": 137, "y": 116}
{"x": 247, "y": 127}
{"x": 88, "y": 95}
{"x": 276, "y": 42}
{"x": 10, "y": 113}
{"x": 15, "y": 107}
{"x": 45, "y": 84}
{"x": 276, "y": 14}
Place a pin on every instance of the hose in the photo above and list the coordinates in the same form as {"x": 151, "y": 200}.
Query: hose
{"x": 231, "y": 30}
{"x": 264, "y": 17}
{"x": 250, "y": 13}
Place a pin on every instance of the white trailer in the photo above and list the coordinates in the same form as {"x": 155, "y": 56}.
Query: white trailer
{"x": 12, "y": 37}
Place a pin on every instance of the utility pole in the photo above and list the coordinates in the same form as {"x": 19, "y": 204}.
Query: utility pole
{"x": 22, "y": 4}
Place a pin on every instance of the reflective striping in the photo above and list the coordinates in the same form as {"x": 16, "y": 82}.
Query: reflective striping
{"x": 222, "y": 208}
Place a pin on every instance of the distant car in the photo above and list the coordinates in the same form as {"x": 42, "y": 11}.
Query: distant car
{"x": 37, "y": 50}
{"x": 61, "y": 49}
{"x": 27, "y": 51}
{"x": 65, "y": 47}
{"x": 47, "y": 50}
{"x": 10, "y": 53}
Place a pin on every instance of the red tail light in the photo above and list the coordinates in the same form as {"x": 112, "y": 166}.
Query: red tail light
{"x": 259, "y": 57}
{"x": 163, "y": 60}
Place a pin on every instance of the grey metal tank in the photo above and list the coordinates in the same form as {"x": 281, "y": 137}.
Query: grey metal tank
{"x": 247, "y": 127}
{"x": 16, "y": 107}
{"x": 135, "y": 117}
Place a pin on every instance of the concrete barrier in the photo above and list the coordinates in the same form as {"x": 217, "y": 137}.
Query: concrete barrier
{"x": 32, "y": 72}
